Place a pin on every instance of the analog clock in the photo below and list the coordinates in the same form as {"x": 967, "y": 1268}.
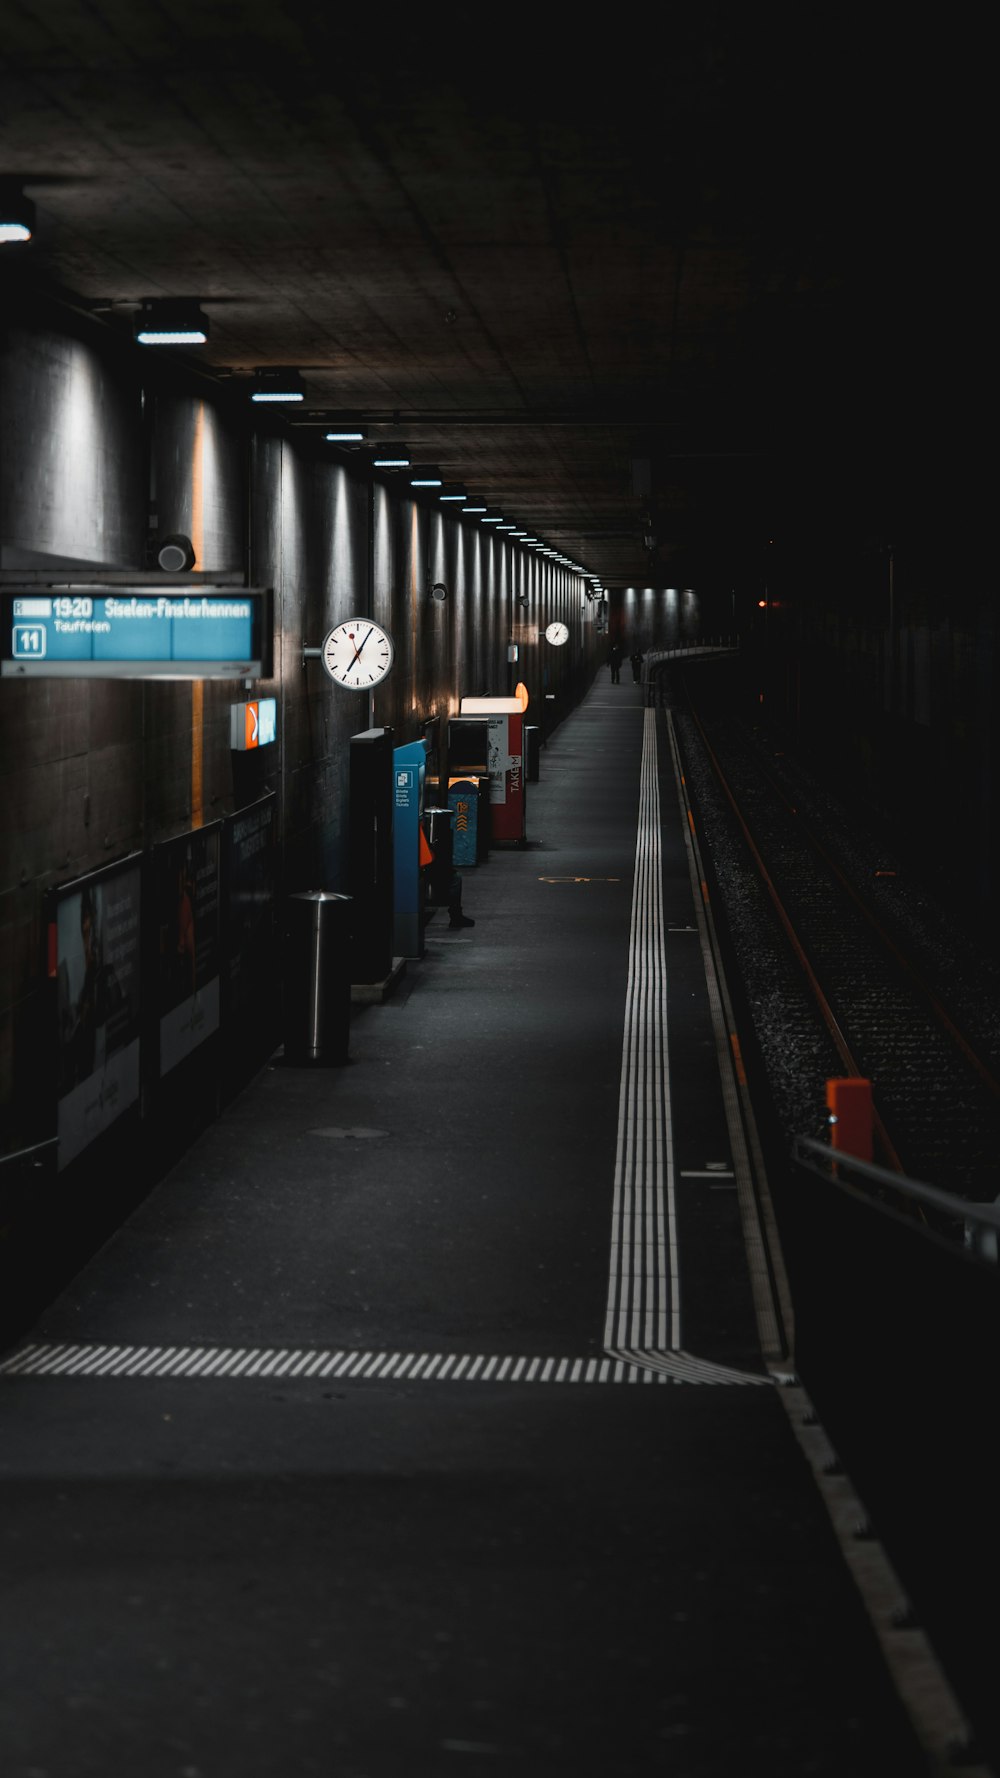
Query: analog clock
{"x": 557, "y": 634}
{"x": 357, "y": 654}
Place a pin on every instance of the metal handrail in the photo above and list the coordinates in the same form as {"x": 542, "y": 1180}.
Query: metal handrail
{"x": 717, "y": 645}
{"x": 23, "y": 1154}
{"x": 818, "y": 1157}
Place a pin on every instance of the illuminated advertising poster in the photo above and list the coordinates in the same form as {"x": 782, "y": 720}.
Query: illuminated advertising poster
{"x": 497, "y": 726}
{"x": 97, "y": 966}
{"x": 187, "y": 875}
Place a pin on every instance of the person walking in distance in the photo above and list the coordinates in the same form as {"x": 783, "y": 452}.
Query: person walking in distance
{"x": 615, "y": 663}
{"x": 636, "y": 658}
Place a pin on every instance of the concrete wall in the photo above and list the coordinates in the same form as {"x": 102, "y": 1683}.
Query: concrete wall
{"x": 104, "y": 451}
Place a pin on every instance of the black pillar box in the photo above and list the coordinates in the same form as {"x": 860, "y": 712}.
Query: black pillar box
{"x": 370, "y": 853}
{"x": 317, "y": 978}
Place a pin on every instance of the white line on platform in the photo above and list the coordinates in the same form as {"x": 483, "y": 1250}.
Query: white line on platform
{"x": 643, "y": 1307}
{"x": 630, "y": 1364}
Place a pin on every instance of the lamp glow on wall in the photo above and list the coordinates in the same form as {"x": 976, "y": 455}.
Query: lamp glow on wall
{"x": 170, "y": 321}
{"x": 17, "y": 214}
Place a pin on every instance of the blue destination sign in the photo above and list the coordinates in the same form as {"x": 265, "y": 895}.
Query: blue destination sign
{"x": 134, "y": 632}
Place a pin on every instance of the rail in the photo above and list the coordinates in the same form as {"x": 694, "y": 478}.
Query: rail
{"x": 661, "y": 656}
{"x": 980, "y": 1222}
{"x": 25, "y": 1154}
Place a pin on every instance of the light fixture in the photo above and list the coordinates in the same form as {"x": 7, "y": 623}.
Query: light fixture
{"x": 347, "y": 435}
{"x": 473, "y": 505}
{"x": 277, "y": 385}
{"x": 492, "y": 516}
{"x": 17, "y": 214}
{"x": 391, "y": 457}
{"x": 506, "y": 527}
{"x": 425, "y": 475}
{"x": 170, "y": 321}
{"x": 453, "y": 491}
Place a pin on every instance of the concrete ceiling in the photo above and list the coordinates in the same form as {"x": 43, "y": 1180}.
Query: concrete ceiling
{"x": 658, "y": 274}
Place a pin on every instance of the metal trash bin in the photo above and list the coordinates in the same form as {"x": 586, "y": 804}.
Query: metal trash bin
{"x": 437, "y": 826}
{"x": 317, "y": 978}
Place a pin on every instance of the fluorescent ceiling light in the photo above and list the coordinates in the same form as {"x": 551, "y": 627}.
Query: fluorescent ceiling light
{"x": 277, "y": 385}
{"x": 346, "y": 437}
{"x": 170, "y": 322}
{"x": 17, "y": 214}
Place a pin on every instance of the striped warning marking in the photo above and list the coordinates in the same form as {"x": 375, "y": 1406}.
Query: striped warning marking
{"x": 625, "y": 1366}
{"x": 643, "y": 1306}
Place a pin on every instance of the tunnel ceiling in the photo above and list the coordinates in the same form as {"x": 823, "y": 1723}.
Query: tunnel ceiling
{"x": 653, "y": 282}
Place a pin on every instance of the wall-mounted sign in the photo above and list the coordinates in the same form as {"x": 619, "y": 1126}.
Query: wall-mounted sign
{"x": 409, "y": 767}
{"x": 498, "y": 706}
{"x": 254, "y": 724}
{"x": 524, "y": 632}
{"x": 135, "y": 632}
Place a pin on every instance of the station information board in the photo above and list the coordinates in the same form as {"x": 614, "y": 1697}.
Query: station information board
{"x": 135, "y": 632}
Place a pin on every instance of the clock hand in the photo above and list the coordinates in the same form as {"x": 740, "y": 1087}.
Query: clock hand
{"x": 357, "y": 650}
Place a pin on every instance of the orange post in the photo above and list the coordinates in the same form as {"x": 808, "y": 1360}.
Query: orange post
{"x": 849, "y": 1103}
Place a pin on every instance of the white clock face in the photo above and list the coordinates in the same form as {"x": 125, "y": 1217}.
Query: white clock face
{"x": 557, "y": 634}
{"x": 358, "y": 654}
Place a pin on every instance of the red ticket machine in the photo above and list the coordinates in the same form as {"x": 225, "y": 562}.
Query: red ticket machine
{"x": 505, "y": 717}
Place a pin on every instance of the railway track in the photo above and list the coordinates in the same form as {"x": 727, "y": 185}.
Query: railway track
{"x": 847, "y": 970}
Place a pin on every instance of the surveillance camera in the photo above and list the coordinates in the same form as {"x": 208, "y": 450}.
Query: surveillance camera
{"x": 439, "y": 592}
{"x": 175, "y": 554}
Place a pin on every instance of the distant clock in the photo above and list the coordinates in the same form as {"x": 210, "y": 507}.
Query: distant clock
{"x": 357, "y": 654}
{"x": 557, "y": 634}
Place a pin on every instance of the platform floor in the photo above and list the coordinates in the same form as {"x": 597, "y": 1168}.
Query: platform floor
{"x": 420, "y": 1421}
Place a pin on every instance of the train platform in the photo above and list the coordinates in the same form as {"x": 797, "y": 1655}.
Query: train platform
{"x": 437, "y": 1413}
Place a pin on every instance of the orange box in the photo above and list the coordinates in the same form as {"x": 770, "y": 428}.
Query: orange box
{"x": 849, "y": 1102}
